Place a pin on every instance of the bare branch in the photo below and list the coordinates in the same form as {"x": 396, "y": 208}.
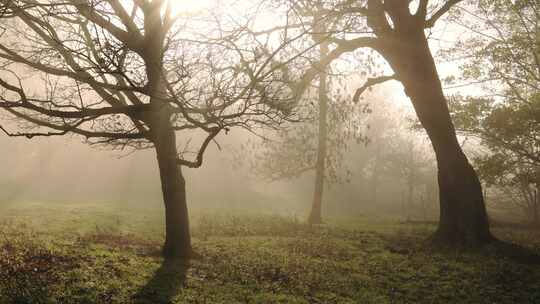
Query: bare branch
{"x": 199, "y": 160}
{"x": 130, "y": 39}
{"x": 371, "y": 82}
{"x": 343, "y": 46}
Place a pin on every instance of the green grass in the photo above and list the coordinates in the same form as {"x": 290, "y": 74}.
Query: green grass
{"x": 98, "y": 253}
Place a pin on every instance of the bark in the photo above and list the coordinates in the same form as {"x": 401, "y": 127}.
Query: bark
{"x": 431, "y": 197}
{"x": 463, "y": 218}
{"x": 536, "y": 208}
{"x": 315, "y": 216}
{"x": 173, "y": 186}
{"x": 535, "y": 220}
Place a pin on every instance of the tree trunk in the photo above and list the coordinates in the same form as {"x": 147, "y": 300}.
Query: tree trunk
{"x": 536, "y": 208}
{"x": 463, "y": 217}
{"x": 410, "y": 192}
{"x": 173, "y": 186}
{"x": 410, "y": 180}
{"x": 375, "y": 173}
{"x": 315, "y": 216}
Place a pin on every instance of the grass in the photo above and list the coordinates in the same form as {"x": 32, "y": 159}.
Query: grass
{"x": 84, "y": 254}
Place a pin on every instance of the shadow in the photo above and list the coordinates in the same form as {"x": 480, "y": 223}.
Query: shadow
{"x": 165, "y": 284}
{"x": 513, "y": 252}
{"x": 513, "y": 225}
{"x": 495, "y": 248}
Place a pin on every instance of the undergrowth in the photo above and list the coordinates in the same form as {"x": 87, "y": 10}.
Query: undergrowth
{"x": 259, "y": 259}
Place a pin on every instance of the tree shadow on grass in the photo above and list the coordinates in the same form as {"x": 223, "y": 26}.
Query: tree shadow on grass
{"x": 514, "y": 252}
{"x": 165, "y": 284}
{"x": 495, "y": 248}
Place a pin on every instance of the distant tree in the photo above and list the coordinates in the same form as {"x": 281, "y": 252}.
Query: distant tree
{"x": 406, "y": 157}
{"x": 327, "y": 127}
{"x": 298, "y": 148}
{"x": 396, "y": 30}
{"x": 133, "y": 74}
{"x": 382, "y": 125}
{"x": 399, "y": 154}
{"x": 513, "y": 186}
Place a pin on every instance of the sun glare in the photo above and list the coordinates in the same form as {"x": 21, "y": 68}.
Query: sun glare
{"x": 190, "y": 6}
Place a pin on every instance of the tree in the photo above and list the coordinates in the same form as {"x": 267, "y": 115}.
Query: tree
{"x": 317, "y": 142}
{"x": 514, "y": 186}
{"x": 130, "y": 74}
{"x": 400, "y": 156}
{"x": 396, "y": 30}
{"x": 315, "y": 215}
{"x": 508, "y": 162}
{"x": 295, "y": 149}
{"x": 503, "y": 59}
{"x": 406, "y": 157}
{"x": 503, "y": 53}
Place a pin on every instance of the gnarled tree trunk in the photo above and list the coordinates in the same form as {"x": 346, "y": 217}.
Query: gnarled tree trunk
{"x": 463, "y": 218}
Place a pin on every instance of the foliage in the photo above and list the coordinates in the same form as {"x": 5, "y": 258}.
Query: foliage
{"x": 293, "y": 149}
{"x": 503, "y": 54}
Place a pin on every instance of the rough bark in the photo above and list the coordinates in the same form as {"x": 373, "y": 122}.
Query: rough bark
{"x": 463, "y": 218}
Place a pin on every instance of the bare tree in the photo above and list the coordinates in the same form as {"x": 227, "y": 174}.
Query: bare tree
{"x": 131, "y": 74}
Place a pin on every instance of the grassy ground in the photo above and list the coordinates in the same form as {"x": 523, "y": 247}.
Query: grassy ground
{"x": 98, "y": 253}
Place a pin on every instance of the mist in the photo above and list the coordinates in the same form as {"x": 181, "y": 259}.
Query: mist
{"x": 269, "y": 151}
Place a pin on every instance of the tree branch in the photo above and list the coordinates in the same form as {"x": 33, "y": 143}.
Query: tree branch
{"x": 438, "y": 14}
{"x": 343, "y": 46}
{"x": 130, "y": 39}
{"x": 74, "y": 128}
{"x": 371, "y": 82}
{"x": 132, "y": 110}
{"x": 199, "y": 160}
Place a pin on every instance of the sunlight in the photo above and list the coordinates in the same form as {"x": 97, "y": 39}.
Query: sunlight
{"x": 190, "y": 6}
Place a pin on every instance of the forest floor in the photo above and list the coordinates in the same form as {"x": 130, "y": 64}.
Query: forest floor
{"x": 67, "y": 253}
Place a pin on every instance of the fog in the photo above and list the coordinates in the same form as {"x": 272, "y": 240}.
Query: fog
{"x": 227, "y": 151}
{"x": 66, "y": 169}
